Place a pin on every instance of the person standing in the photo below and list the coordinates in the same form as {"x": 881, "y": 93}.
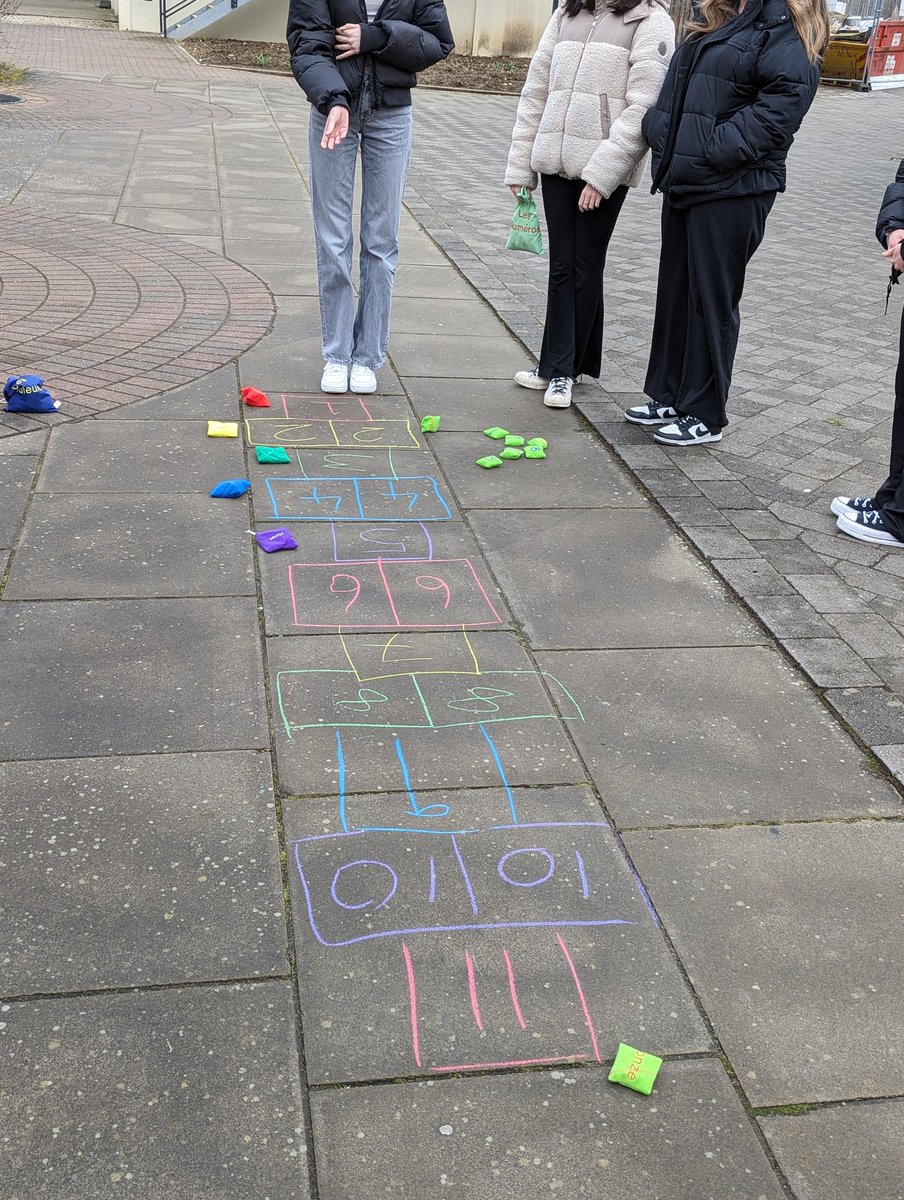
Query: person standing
{"x": 880, "y": 519}
{"x": 357, "y": 61}
{"x": 598, "y": 68}
{"x": 736, "y": 93}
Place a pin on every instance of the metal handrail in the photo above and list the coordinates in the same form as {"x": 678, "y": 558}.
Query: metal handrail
{"x": 168, "y": 9}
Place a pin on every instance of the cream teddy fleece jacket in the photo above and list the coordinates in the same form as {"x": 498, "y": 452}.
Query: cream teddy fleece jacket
{"x": 590, "y": 82}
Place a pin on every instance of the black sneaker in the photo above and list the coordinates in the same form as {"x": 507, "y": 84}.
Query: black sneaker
{"x": 868, "y": 527}
{"x": 687, "y": 431}
{"x": 852, "y": 505}
{"x": 651, "y": 414}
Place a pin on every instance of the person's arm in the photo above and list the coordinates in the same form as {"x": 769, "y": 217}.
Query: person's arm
{"x": 651, "y": 50}
{"x": 534, "y": 94}
{"x": 311, "y": 39}
{"x": 788, "y": 83}
{"x": 891, "y": 214}
{"x": 411, "y": 45}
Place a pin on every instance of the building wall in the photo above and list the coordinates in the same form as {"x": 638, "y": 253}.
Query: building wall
{"x": 480, "y": 26}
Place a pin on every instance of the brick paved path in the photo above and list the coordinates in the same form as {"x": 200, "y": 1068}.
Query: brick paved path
{"x": 341, "y": 872}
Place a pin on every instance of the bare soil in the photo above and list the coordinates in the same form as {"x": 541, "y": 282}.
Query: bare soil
{"x": 460, "y": 71}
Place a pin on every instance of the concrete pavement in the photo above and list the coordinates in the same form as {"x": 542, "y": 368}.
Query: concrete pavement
{"x": 342, "y": 872}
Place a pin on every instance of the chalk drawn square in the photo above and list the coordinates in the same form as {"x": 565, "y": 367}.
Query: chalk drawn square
{"x": 440, "y": 594}
{"x": 324, "y": 699}
{"x": 356, "y": 499}
{"x": 330, "y": 434}
{"x": 494, "y": 697}
{"x": 387, "y": 540}
{"x": 375, "y": 657}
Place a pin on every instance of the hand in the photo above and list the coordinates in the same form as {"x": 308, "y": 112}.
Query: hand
{"x": 335, "y": 129}
{"x": 515, "y": 188}
{"x": 590, "y": 198}
{"x": 894, "y": 240}
{"x": 348, "y": 41}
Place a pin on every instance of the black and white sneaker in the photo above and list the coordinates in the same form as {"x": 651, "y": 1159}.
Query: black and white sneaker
{"x": 842, "y": 505}
{"x": 687, "y": 431}
{"x": 868, "y": 527}
{"x": 651, "y": 414}
{"x": 558, "y": 394}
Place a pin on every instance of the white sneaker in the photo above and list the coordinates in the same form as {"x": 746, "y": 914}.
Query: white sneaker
{"x": 851, "y": 505}
{"x": 362, "y": 380}
{"x": 558, "y": 394}
{"x": 532, "y": 379}
{"x": 334, "y": 378}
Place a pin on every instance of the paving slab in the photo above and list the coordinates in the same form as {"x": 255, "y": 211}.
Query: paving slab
{"x": 139, "y": 456}
{"x": 16, "y": 480}
{"x": 29, "y": 444}
{"x": 543, "y": 1132}
{"x": 840, "y": 1152}
{"x": 476, "y": 404}
{"x": 791, "y": 935}
{"x": 212, "y": 397}
{"x": 492, "y": 929}
{"x": 140, "y": 870}
{"x": 456, "y": 356}
{"x": 674, "y": 599}
{"x": 424, "y": 575}
{"x": 97, "y": 677}
{"x": 703, "y": 736}
{"x": 875, "y": 714}
{"x": 109, "y": 547}
{"x": 431, "y": 282}
{"x": 577, "y": 473}
{"x": 471, "y": 317}
{"x": 365, "y": 713}
{"x": 191, "y": 1092}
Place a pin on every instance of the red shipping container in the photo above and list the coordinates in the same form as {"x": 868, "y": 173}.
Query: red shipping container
{"x": 889, "y": 36}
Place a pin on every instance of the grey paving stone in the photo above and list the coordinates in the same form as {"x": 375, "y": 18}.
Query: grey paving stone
{"x": 543, "y": 1132}
{"x": 147, "y": 870}
{"x": 477, "y": 404}
{"x": 893, "y": 758}
{"x": 456, "y": 356}
{"x": 520, "y": 936}
{"x": 760, "y": 525}
{"x": 190, "y": 1092}
{"x": 471, "y": 317}
{"x": 831, "y": 663}
{"x": 109, "y": 547}
{"x": 721, "y": 543}
{"x": 213, "y": 397}
{"x": 752, "y": 577}
{"x": 16, "y": 478}
{"x": 468, "y": 710}
{"x": 834, "y": 1153}
{"x": 297, "y": 367}
{"x": 675, "y": 599}
{"x": 827, "y": 594}
{"x": 146, "y": 456}
{"x": 869, "y": 635}
{"x": 788, "y": 934}
{"x": 790, "y": 557}
{"x": 431, "y": 282}
{"x": 96, "y": 677}
{"x": 380, "y": 578}
{"x": 31, "y": 444}
{"x": 692, "y": 511}
{"x": 875, "y": 714}
{"x": 578, "y": 471}
{"x": 789, "y": 616}
{"x": 699, "y": 737}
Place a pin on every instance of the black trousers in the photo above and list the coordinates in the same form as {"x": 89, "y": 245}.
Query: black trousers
{"x": 573, "y": 335}
{"x": 890, "y": 496}
{"x": 702, "y": 265}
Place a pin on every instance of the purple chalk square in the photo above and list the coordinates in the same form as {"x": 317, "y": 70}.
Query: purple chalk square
{"x": 231, "y": 488}
{"x": 276, "y": 539}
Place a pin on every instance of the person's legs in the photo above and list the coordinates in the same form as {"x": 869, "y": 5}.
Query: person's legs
{"x": 669, "y": 345}
{"x": 332, "y": 192}
{"x": 723, "y": 236}
{"x": 594, "y": 232}
{"x": 560, "y": 203}
{"x": 385, "y": 154}
{"x": 890, "y": 496}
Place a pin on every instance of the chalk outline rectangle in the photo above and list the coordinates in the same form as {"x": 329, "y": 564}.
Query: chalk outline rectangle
{"x": 356, "y": 480}
{"x": 334, "y": 428}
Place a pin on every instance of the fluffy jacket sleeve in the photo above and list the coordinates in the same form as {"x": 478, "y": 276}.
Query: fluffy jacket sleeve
{"x": 651, "y": 51}
{"x": 788, "y": 83}
{"x": 534, "y": 95}
{"x": 891, "y": 214}
{"x": 411, "y": 45}
{"x": 312, "y": 40}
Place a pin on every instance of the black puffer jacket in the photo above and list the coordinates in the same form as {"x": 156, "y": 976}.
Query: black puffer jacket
{"x": 891, "y": 214}
{"x": 406, "y": 36}
{"x": 729, "y": 108}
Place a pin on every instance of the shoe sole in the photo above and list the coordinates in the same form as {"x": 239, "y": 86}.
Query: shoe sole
{"x": 841, "y": 510}
{"x": 533, "y": 386}
{"x": 873, "y": 536}
{"x": 650, "y": 420}
{"x": 557, "y": 403}
{"x": 703, "y": 441}
{"x": 333, "y": 391}
{"x": 363, "y": 391}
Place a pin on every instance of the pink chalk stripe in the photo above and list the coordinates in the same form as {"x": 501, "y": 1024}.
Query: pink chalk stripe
{"x": 472, "y": 988}
{"x": 512, "y": 990}
{"x": 412, "y": 1004}
{"x": 583, "y": 999}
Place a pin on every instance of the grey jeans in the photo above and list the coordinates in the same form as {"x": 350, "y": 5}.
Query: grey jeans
{"x": 383, "y": 137}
